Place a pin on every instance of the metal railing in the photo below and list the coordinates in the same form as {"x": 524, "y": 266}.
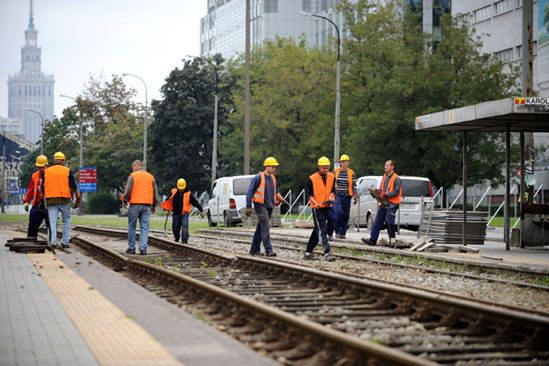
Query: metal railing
{"x": 456, "y": 199}
{"x": 500, "y": 206}
{"x": 535, "y": 195}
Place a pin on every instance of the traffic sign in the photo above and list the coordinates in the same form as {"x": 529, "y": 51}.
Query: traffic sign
{"x": 87, "y": 179}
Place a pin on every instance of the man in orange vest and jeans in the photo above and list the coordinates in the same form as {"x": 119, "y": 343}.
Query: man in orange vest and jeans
{"x": 263, "y": 192}
{"x": 140, "y": 193}
{"x": 38, "y": 212}
{"x": 180, "y": 202}
{"x": 321, "y": 193}
{"x": 59, "y": 185}
{"x": 390, "y": 194}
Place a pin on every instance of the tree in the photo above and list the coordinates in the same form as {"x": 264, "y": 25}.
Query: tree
{"x": 183, "y": 123}
{"x": 395, "y": 73}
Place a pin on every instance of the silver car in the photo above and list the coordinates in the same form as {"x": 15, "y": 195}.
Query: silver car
{"x": 409, "y": 215}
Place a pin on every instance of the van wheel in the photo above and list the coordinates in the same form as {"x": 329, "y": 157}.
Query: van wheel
{"x": 226, "y": 220}
{"x": 210, "y": 222}
{"x": 369, "y": 222}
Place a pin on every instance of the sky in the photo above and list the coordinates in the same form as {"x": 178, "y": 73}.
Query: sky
{"x": 97, "y": 38}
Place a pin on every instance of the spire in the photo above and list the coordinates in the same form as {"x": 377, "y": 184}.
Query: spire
{"x": 31, "y": 15}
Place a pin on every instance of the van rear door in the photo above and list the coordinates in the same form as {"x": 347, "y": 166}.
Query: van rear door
{"x": 413, "y": 189}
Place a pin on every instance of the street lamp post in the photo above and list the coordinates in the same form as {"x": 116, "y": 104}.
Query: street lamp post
{"x": 81, "y": 145}
{"x": 145, "y": 120}
{"x": 216, "y": 101}
{"x": 42, "y": 125}
{"x": 338, "y": 94}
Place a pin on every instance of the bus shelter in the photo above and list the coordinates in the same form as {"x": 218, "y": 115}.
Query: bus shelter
{"x": 505, "y": 115}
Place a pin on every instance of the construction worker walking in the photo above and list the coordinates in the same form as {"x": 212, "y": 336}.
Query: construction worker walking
{"x": 264, "y": 194}
{"x": 38, "y": 212}
{"x": 320, "y": 190}
{"x": 179, "y": 203}
{"x": 345, "y": 181}
{"x": 140, "y": 193}
{"x": 59, "y": 186}
{"x": 390, "y": 195}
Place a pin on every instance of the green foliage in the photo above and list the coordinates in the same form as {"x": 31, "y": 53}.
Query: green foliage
{"x": 396, "y": 74}
{"x": 102, "y": 202}
{"x": 182, "y": 131}
{"x": 27, "y": 168}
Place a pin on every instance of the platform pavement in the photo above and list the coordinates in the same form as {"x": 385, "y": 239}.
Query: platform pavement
{"x": 45, "y": 335}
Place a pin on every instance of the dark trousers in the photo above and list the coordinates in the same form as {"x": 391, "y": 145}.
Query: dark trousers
{"x": 384, "y": 215}
{"x": 180, "y": 227}
{"x": 342, "y": 207}
{"x": 262, "y": 230}
{"x": 332, "y": 221}
{"x": 320, "y": 216}
{"x": 36, "y": 216}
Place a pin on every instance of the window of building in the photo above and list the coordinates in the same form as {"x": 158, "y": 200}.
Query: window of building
{"x": 323, "y": 5}
{"x": 306, "y": 7}
{"x": 519, "y": 51}
{"x": 503, "y": 6}
{"x": 519, "y": 3}
{"x": 271, "y": 6}
{"x": 482, "y": 14}
{"x": 505, "y": 55}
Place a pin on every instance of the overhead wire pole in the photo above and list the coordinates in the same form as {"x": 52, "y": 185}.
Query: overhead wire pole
{"x": 464, "y": 224}
{"x": 144, "y": 120}
{"x": 528, "y": 62}
{"x": 247, "y": 94}
{"x": 337, "y": 139}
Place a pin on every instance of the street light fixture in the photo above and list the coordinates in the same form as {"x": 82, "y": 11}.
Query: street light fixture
{"x": 145, "y": 120}
{"x": 338, "y": 94}
{"x": 80, "y": 137}
{"x": 216, "y": 101}
{"x": 42, "y": 124}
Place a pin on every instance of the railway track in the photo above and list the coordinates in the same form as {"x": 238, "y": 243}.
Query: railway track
{"x": 359, "y": 252}
{"x": 424, "y": 326}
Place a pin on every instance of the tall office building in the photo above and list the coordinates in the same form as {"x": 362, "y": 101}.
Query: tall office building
{"x": 222, "y": 30}
{"x": 30, "y": 87}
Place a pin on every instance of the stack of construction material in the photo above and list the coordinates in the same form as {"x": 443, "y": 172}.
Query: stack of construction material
{"x": 446, "y": 227}
{"x": 252, "y": 220}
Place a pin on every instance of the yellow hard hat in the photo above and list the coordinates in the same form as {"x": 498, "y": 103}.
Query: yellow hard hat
{"x": 344, "y": 157}
{"x": 323, "y": 161}
{"x": 270, "y": 161}
{"x": 59, "y": 156}
{"x": 41, "y": 160}
{"x": 181, "y": 183}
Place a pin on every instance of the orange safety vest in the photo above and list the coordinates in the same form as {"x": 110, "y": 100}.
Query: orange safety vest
{"x": 36, "y": 194}
{"x": 168, "y": 204}
{"x": 396, "y": 199}
{"x": 142, "y": 189}
{"x": 349, "y": 175}
{"x": 321, "y": 191}
{"x": 56, "y": 182}
{"x": 259, "y": 195}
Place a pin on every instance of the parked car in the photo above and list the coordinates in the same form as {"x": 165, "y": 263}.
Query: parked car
{"x": 228, "y": 197}
{"x": 413, "y": 188}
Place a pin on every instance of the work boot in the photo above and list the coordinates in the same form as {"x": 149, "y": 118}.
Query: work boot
{"x": 308, "y": 256}
{"x": 130, "y": 251}
{"x": 328, "y": 257}
{"x": 271, "y": 254}
{"x": 253, "y": 254}
{"x": 65, "y": 246}
{"x": 342, "y": 236}
{"x": 331, "y": 237}
{"x": 368, "y": 241}
{"x": 143, "y": 252}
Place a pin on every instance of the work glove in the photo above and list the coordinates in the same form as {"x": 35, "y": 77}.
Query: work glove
{"x": 202, "y": 213}
{"x": 383, "y": 196}
{"x": 76, "y": 202}
{"x": 249, "y": 211}
{"x": 153, "y": 209}
{"x": 26, "y": 206}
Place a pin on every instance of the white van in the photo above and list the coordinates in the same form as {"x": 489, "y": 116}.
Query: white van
{"x": 413, "y": 188}
{"x": 228, "y": 197}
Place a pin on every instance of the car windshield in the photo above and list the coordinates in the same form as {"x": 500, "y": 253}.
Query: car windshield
{"x": 240, "y": 186}
{"x": 415, "y": 188}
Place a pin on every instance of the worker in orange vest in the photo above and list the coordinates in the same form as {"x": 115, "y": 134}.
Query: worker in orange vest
{"x": 179, "y": 202}
{"x": 345, "y": 190}
{"x": 320, "y": 190}
{"x": 140, "y": 193}
{"x": 263, "y": 192}
{"x": 59, "y": 187}
{"x": 390, "y": 196}
{"x": 34, "y": 198}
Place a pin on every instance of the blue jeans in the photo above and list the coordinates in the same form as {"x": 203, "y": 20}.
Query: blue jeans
{"x": 180, "y": 227}
{"x": 262, "y": 230}
{"x": 143, "y": 213}
{"x": 53, "y": 211}
{"x": 342, "y": 207}
{"x": 384, "y": 215}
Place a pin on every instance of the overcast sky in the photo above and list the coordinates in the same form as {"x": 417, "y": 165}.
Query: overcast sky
{"x": 100, "y": 37}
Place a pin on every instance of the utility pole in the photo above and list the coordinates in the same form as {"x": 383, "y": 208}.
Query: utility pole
{"x": 528, "y": 63}
{"x": 247, "y": 95}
